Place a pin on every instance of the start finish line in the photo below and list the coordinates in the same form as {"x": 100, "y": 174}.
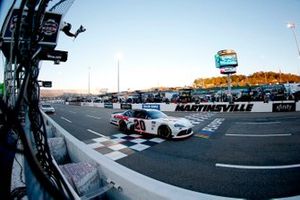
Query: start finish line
{"x": 210, "y": 129}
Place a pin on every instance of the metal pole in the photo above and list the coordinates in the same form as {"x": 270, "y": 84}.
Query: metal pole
{"x": 229, "y": 87}
{"x": 89, "y": 82}
{"x": 292, "y": 26}
{"x": 279, "y": 76}
{"x": 118, "y": 76}
{"x": 266, "y": 78}
{"x": 296, "y": 40}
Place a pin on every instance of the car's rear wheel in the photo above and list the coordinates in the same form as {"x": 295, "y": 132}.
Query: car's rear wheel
{"x": 122, "y": 126}
{"x": 164, "y": 131}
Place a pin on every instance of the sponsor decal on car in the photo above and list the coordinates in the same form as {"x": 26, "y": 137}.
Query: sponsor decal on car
{"x": 215, "y": 108}
{"x": 121, "y": 117}
{"x": 153, "y": 125}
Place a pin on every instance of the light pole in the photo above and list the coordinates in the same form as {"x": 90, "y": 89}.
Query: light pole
{"x": 292, "y": 26}
{"x": 89, "y": 81}
{"x": 119, "y": 57}
{"x": 118, "y": 75}
{"x": 265, "y": 78}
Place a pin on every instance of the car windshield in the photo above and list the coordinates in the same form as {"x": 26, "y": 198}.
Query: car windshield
{"x": 153, "y": 114}
{"x": 128, "y": 113}
{"x": 46, "y": 106}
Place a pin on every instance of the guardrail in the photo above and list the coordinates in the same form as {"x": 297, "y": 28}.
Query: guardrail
{"x": 128, "y": 184}
{"x": 257, "y": 106}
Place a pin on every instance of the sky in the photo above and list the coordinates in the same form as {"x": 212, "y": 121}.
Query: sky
{"x": 172, "y": 42}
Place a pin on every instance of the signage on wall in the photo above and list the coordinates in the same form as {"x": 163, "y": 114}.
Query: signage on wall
{"x": 151, "y": 106}
{"x": 284, "y": 107}
{"x": 244, "y": 107}
{"x": 108, "y": 105}
{"x": 126, "y": 106}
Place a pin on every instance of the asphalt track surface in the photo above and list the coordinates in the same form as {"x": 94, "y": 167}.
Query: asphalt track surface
{"x": 240, "y": 155}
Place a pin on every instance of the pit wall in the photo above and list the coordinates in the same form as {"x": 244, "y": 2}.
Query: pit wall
{"x": 128, "y": 184}
{"x": 272, "y": 106}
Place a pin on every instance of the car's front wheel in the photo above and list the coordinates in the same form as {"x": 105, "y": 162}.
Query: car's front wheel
{"x": 164, "y": 131}
{"x": 122, "y": 126}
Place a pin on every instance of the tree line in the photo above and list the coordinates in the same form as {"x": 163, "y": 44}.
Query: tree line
{"x": 257, "y": 78}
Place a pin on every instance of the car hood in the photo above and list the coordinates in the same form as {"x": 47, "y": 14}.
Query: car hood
{"x": 176, "y": 120}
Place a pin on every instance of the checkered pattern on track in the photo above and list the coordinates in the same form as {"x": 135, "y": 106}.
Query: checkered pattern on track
{"x": 197, "y": 118}
{"x": 121, "y": 145}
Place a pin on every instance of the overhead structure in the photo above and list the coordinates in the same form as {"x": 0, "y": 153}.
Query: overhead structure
{"x": 29, "y": 35}
{"x": 62, "y": 7}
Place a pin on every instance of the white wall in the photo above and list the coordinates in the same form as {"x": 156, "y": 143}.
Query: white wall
{"x": 99, "y": 105}
{"x": 116, "y": 106}
{"x": 257, "y": 106}
{"x": 298, "y": 106}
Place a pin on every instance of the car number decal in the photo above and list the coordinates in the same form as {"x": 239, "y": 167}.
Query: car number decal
{"x": 139, "y": 125}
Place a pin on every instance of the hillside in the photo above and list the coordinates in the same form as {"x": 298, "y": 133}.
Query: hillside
{"x": 257, "y": 78}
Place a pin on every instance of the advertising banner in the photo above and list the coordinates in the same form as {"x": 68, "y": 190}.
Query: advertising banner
{"x": 50, "y": 30}
{"x": 50, "y": 27}
{"x": 284, "y": 107}
{"x": 226, "y": 58}
{"x": 241, "y": 107}
{"x": 151, "y": 106}
{"x": 126, "y": 106}
{"x": 108, "y": 105}
{"x": 228, "y": 70}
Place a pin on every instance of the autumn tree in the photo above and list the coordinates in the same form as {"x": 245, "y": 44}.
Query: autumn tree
{"x": 257, "y": 78}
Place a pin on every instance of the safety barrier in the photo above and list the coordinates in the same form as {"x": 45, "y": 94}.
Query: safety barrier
{"x": 271, "y": 106}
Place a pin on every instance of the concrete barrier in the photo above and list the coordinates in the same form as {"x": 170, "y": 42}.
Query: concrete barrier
{"x": 298, "y": 106}
{"x": 271, "y": 106}
{"x": 128, "y": 184}
{"x": 116, "y": 106}
{"x": 99, "y": 105}
{"x": 87, "y": 104}
{"x": 136, "y": 106}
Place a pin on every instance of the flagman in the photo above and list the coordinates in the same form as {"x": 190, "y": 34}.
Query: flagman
{"x": 66, "y": 28}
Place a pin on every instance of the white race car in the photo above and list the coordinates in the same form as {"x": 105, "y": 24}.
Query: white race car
{"x": 47, "y": 108}
{"x": 152, "y": 122}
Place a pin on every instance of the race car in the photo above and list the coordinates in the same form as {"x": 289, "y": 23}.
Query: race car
{"x": 47, "y": 108}
{"x": 152, "y": 121}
